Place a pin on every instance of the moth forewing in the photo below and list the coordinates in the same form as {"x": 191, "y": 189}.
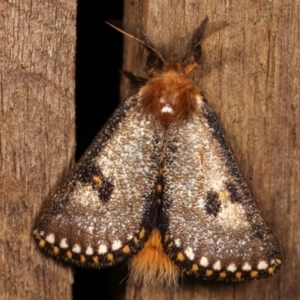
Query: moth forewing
{"x": 96, "y": 219}
{"x": 214, "y": 227}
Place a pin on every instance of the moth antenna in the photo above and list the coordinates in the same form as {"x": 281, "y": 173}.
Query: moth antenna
{"x": 149, "y": 47}
{"x": 204, "y": 31}
{"x": 154, "y": 59}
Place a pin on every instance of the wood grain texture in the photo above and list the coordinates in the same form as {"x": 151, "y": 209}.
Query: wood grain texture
{"x": 36, "y": 137}
{"x": 249, "y": 74}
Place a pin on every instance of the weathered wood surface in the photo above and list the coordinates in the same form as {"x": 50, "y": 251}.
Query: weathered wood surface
{"x": 37, "y": 141}
{"x": 250, "y": 76}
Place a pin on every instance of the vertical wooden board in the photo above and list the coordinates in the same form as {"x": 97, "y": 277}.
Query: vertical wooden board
{"x": 249, "y": 74}
{"x": 36, "y": 138}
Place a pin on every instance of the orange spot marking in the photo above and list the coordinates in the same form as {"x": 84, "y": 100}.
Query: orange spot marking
{"x": 166, "y": 237}
{"x": 82, "y": 258}
{"x": 209, "y": 272}
{"x": 142, "y": 233}
{"x": 180, "y": 256}
{"x": 253, "y": 274}
{"x": 238, "y": 275}
{"x": 271, "y": 270}
{"x": 159, "y": 201}
{"x": 161, "y": 158}
{"x": 223, "y": 274}
{"x": 152, "y": 265}
{"x": 55, "y": 250}
{"x": 126, "y": 249}
{"x": 96, "y": 259}
{"x": 158, "y": 188}
{"x": 97, "y": 180}
{"x": 42, "y": 243}
{"x": 195, "y": 268}
{"x": 136, "y": 240}
{"x": 201, "y": 155}
{"x": 224, "y": 195}
{"x": 110, "y": 257}
{"x": 69, "y": 254}
{"x": 171, "y": 244}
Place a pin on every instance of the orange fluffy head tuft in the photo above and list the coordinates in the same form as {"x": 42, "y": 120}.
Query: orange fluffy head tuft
{"x": 169, "y": 95}
{"x": 151, "y": 265}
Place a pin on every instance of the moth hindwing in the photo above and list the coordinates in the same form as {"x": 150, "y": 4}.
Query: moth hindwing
{"x": 159, "y": 186}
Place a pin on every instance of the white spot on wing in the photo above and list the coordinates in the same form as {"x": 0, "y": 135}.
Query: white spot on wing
{"x": 217, "y": 265}
{"x": 231, "y": 268}
{"x": 76, "y": 248}
{"x": 102, "y": 249}
{"x": 63, "y": 243}
{"x": 50, "y": 238}
{"x": 262, "y": 265}
{"x": 129, "y": 237}
{"x": 177, "y": 242}
{"x": 246, "y": 267}
{"x": 189, "y": 253}
{"x": 89, "y": 250}
{"x": 204, "y": 261}
{"x": 116, "y": 245}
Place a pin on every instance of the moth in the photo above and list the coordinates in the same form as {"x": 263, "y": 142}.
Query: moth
{"x": 159, "y": 187}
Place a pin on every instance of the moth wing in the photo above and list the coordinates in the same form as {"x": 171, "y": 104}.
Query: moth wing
{"x": 212, "y": 224}
{"x": 97, "y": 218}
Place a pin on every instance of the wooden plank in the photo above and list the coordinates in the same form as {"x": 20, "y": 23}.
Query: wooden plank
{"x": 37, "y": 138}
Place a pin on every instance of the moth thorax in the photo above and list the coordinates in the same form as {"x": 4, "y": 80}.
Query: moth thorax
{"x": 169, "y": 97}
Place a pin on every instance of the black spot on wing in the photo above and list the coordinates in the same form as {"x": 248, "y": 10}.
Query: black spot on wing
{"x": 213, "y": 204}
{"x": 234, "y": 195}
{"x": 106, "y": 190}
{"x": 92, "y": 175}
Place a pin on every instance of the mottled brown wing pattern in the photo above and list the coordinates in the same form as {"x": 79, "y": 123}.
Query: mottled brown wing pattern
{"x": 98, "y": 217}
{"x": 212, "y": 225}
